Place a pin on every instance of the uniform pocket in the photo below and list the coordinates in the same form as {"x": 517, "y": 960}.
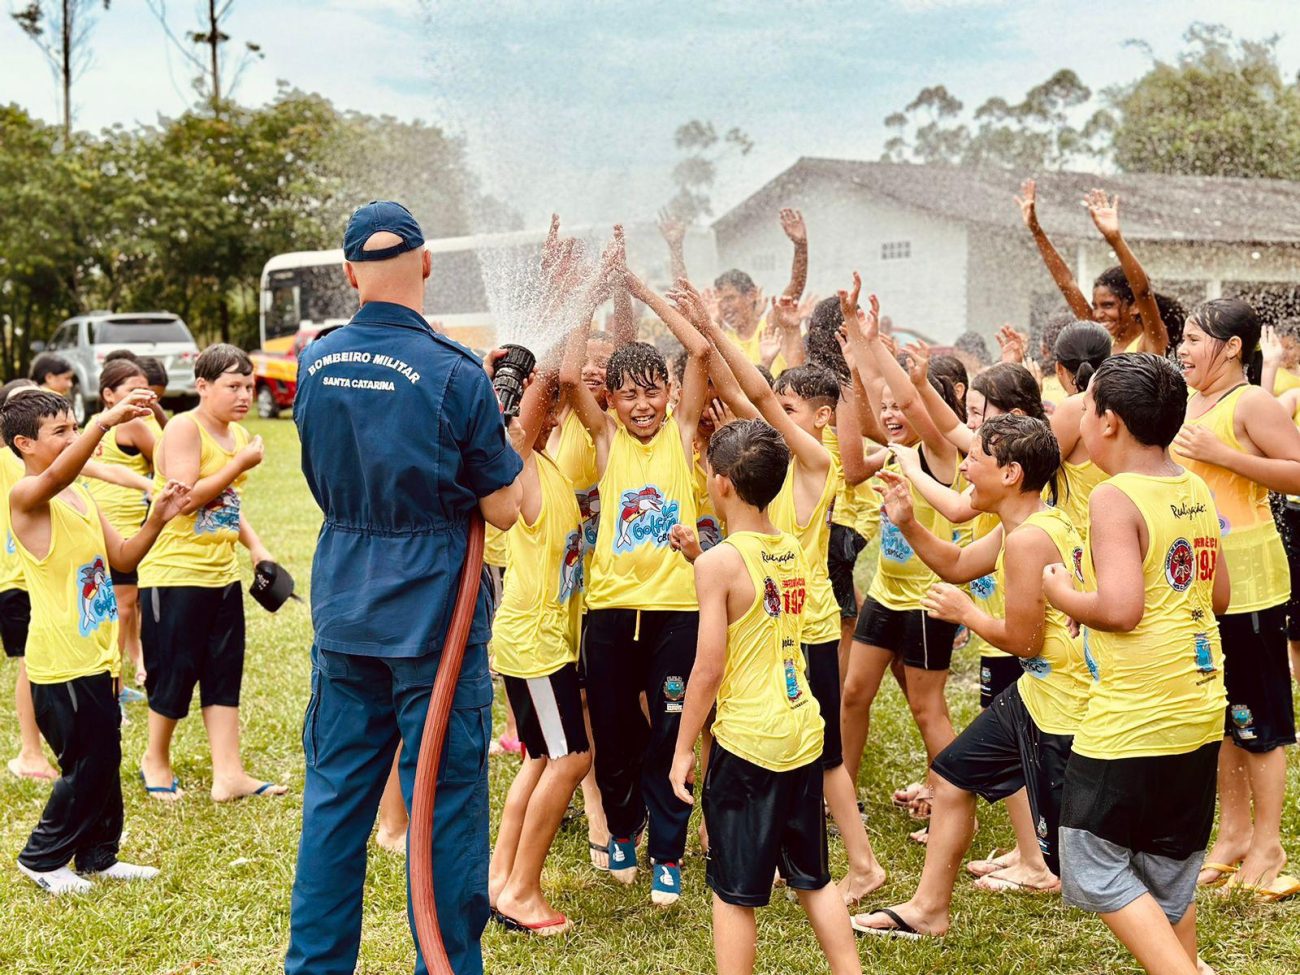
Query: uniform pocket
{"x": 309, "y": 720}
{"x": 465, "y": 750}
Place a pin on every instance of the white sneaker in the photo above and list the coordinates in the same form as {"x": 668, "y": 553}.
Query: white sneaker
{"x": 128, "y": 871}
{"x": 60, "y": 881}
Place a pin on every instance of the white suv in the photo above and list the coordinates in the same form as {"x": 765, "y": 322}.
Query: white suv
{"x": 85, "y": 341}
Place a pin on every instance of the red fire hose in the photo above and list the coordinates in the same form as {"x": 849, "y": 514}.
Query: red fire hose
{"x": 427, "y": 932}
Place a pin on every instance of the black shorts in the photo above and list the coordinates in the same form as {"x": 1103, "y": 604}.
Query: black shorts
{"x": 923, "y": 643}
{"x": 15, "y": 618}
{"x": 996, "y": 675}
{"x": 760, "y": 821}
{"x": 1257, "y": 678}
{"x": 842, "y": 555}
{"x": 192, "y": 635}
{"x": 1288, "y": 526}
{"x": 548, "y": 713}
{"x": 824, "y": 681}
{"x": 131, "y": 578}
{"x": 1002, "y": 751}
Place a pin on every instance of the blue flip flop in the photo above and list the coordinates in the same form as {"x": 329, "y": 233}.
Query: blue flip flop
{"x": 155, "y": 789}
{"x": 261, "y": 789}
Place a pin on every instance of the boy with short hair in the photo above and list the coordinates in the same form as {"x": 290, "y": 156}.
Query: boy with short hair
{"x": 1140, "y": 788}
{"x": 53, "y": 373}
{"x": 191, "y": 601}
{"x": 67, "y": 548}
{"x": 763, "y": 789}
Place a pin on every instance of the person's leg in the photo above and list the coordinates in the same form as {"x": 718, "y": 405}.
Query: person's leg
{"x": 1266, "y": 777}
{"x": 867, "y": 666}
{"x": 170, "y": 617}
{"x": 929, "y": 708}
{"x": 510, "y": 825}
{"x": 865, "y": 874}
{"x": 349, "y": 736}
{"x": 1235, "y": 824}
{"x": 393, "y": 817}
{"x": 1185, "y": 930}
{"x": 1025, "y": 864}
{"x": 31, "y": 760}
{"x": 99, "y": 716}
{"x": 597, "y": 826}
{"x": 735, "y": 937}
{"x": 156, "y": 763}
{"x": 672, "y": 648}
{"x": 1145, "y": 931}
{"x": 828, "y": 917}
{"x": 128, "y": 632}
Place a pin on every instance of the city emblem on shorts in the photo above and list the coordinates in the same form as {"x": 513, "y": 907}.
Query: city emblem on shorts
{"x": 771, "y": 598}
{"x": 221, "y": 514}
{"x": 644, "y": 516}
{"x": 96, "y": 600}
{"x": 589, "y": 509}
{"x": 1037, "y": 666}
{"x": 1243, "y": 722}
{"x": 1042, "y": 827}
{"x": 709, "y": 531}
{"x": 1180, "y": 565}
{"x": 986, "y": 679}
{"x": 1076, "y": 562}
{"x": 792, "y": 689}
{"x": 1204, "y": 657}
{"x": 674, "y": 691}
{"x": 571, "y": 565}
{"x": 984, "y": 587}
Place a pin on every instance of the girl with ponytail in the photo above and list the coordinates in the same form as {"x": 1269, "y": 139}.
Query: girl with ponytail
{"x": 1080, "y": 349}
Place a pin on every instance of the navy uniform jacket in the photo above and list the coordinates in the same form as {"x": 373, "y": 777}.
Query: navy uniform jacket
{"x": 401, "y": 435}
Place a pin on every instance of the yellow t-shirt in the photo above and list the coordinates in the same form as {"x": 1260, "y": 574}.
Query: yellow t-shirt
{"x": 1055, "y": 684}
{"x": 870, "y": 502}
{"x": 766, "y": 712}
{"x": 1052, "y": 391}
{"x": 1252, "y": 546}
{"x": 821, "y": 613}
{"x": 1074, "y": 487}
{"x": 575, "y": 456}
{"x": 1158, "y": 690}
{"x": 124, "y": 507}
{"x": 11, "y": 567}
{"x": 987, "y": 592}
{"x": 901, "y": 577}
{"x": 494, "y": 547}
{"x": 74, "y": 612}
{"x": 646, "y": 489}
{"x": 535, "y": 631}
{"x": 1285, "y": 380}
{"x": 753, "y": 348}
{"x": 198, "y": 549}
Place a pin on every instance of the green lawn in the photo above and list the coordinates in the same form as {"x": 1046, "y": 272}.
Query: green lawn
{"x": 222, "y": 903}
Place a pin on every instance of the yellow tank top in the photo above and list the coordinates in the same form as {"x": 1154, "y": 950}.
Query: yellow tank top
{"x": 844, "y": 510}
{"x": 1052, "y": 390}
{"x": 987, "y": 591}
{"x": 1251, "y": 543}
{"x": 124, "y": 507}
{"x": 198, "y": 549}
{"x": 869, "y": 504}
{"x": 1074, "y": 487}
{"x": 766, "y": 713}
{"x": 11, "y": 566}
{"x": 1055, "y": 684}
{"x": 74, "y": 612}
{"x": 646, "y": 489}
{"x": 494, "y": 547}
{"x": 753, "y": 348}
{"x": 535, "y": 631}
{"x": 901, "y": 577}
{"x": 575, "y": 456}
{"x": 821, "y": 613}
{"x": 1158, "y": 690}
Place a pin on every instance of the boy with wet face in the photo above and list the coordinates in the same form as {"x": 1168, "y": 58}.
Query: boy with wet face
{"x": 642, "y": 612}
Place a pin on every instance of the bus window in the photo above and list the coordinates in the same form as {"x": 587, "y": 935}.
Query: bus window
{"x": 326, "y": 294}
{"x": 282, "y": 313}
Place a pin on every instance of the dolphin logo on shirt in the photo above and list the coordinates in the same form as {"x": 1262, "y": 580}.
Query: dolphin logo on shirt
{"x": 571, "y": 565}
{"x": 637, "y": 505}
{"x": 96, "y": 602}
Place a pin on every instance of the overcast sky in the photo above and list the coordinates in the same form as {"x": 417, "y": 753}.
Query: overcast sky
{"x": 572, "y": 106}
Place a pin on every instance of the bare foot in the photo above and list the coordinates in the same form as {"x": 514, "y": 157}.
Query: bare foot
{"x": 1020, "y": 879}
{"x": 392, "y": 842}
{"x": 995, "y": 861}
{"x": 854, "y": 887}
{"x": 533, "y": 912}
{"x": 1260, "y": 868}
{"x": 1203, "y": 969}
{"x": 160, "y": 781}
{"x": 921, "y": 836}
{"x": 1229, "y": 851}
{"x": 245, "y": 785}
{"x": 934, "y": 925}
{"x": 32, "y": 767}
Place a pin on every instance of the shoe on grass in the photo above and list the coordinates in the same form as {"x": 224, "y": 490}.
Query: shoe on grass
{"x": 622, "y": 859}
{"x": 127, "y": 871}
{"x": 57, "y": 882}
{"x": 667, "y": 884}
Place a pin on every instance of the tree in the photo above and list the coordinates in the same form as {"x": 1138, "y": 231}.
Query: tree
{"x": 208, "y": 68}
{"x": 1221, "y": 108}
{"x": 697, "y": 171}
{"x": 1035, "y": 133}
{"x": 62, "y": 31}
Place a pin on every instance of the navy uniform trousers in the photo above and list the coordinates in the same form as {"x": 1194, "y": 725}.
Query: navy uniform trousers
{"x": 360, "y": 708}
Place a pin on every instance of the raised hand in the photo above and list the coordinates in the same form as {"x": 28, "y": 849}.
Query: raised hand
{"x": 793, "y": 225}
{"x": 769, "y": 345}
{"x": 691, "y": 304}
{"x": 251, "y": 454}
{"x": 550, "y": 248}
{"x": 849, "y": 299}
{"x": 918, "y": 362}
{"x": 806, "y": 305}
{"x": 1012, "y": 343}
{"x": 719, "y": 413}
{"x": 897, "y": 496}
{"x": 170, "y": 500}
{"x": 1270, "y": 345}
{"x": 137, "y": 403}
{"x": 784, "y": 313}
{"x": 1027, "y": 201}
{"x": 710, "y": 299}
{"x": 908, "y": 459}
{"x": 612, "y": 266}
{"x": 1104, "y": 212}
{"x": 672, "y": 229}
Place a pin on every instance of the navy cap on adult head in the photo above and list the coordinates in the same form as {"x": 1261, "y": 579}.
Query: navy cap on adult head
{"x": 379, "y": 216}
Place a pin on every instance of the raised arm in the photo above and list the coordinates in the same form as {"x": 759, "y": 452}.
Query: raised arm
{"x": 952, "y": 504}
{"x": 181, "y": 448}
{"x": 124, "y": 554}
{"x": 793, "y": 225}
{"x": 1059, "y": 270}
{"x": 950, "y": 562}
{"x": 848, "y": 429}
{"x": 580, "y": 398}
{"x": 1105, "y": 214}
{"x": 533, "y": 408}
{"x": 945, "y": 420}
{"x": 725, "y": 387}
{"x": 623, "y": 324}
{"x": 695, "y": 383}
{"x": 674, "y": 235}
{"x": 784, "y": 314}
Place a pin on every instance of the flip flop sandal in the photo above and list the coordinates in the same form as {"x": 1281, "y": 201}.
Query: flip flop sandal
{"x": 1224, "y": 871}
{"x": 598, "y": 848}
{"x": 153, "y": 791}
{"x": 925, "y": 796}
{"x": 546, "y": 929}
{"x": 994, "y": 884}
{"x": 16, "y": 771}
{"x": 901, "y": 928}
{"x": 1282, "y": 887}
{"x": 990, "y": 864}
{"x": 903, "y": 798}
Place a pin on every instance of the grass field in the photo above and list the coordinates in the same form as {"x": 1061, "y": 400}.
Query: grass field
{"x": 222, "y": 902}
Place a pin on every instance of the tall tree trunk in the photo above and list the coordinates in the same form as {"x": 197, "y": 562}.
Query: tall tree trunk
{"x": 214, "y": 40}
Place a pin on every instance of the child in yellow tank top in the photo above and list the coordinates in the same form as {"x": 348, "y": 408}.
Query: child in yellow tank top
{"x": 768, "y": 730}
{"x": 66, "y": 547}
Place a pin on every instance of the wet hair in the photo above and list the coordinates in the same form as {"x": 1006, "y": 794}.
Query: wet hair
{"x": 1025, "y": 440}
{"x": 754, "y": 457}
{"x": 1226, "y": 318}
{"x": 12, "y": 385}
{"x": 1147, "y": 392}
{"x": 1081, "y": 348}
{"x": 1114, "y": 280}
{"x": 21, "y": 416}
{"x": 121, "y": 354}
{"x": 766, "y": 373}
{"x": 217, "y": 360}
{"x": 812, "y": 384}
{"x": 1051, "y": 331}
{"x": 951, "y": 368}
{"x": 944, "y": 387}
{"x": 155, "y": 373}
{"x": 1174, "y": 315}
{"x": 973, "y": 344}
{"x": 822, "y": 346}
{"x": 638, "y": 361}
{"x": 1010, "y": 386}
{"x": 48, "y": 364}
{"x": 117, "y": 371}
{"x": 737, "y": 279}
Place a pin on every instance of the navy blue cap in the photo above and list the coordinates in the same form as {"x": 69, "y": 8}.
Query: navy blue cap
{"x": 375, "y": 217}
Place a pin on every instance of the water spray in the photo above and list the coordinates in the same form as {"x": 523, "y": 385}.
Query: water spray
{"x": 512, "y": 372}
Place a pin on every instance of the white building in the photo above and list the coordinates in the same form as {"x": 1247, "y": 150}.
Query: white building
{"x": 945, "y": 249}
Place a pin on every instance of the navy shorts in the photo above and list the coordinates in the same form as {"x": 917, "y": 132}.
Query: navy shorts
{"x": 824, "y": 681}
{"x": 841, "y": 556}
{"x": 1257, "y": 677}
{"x": 922, "y": 642}
{"x": 192, "y": 635}
{"x": 15, "y": 618}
